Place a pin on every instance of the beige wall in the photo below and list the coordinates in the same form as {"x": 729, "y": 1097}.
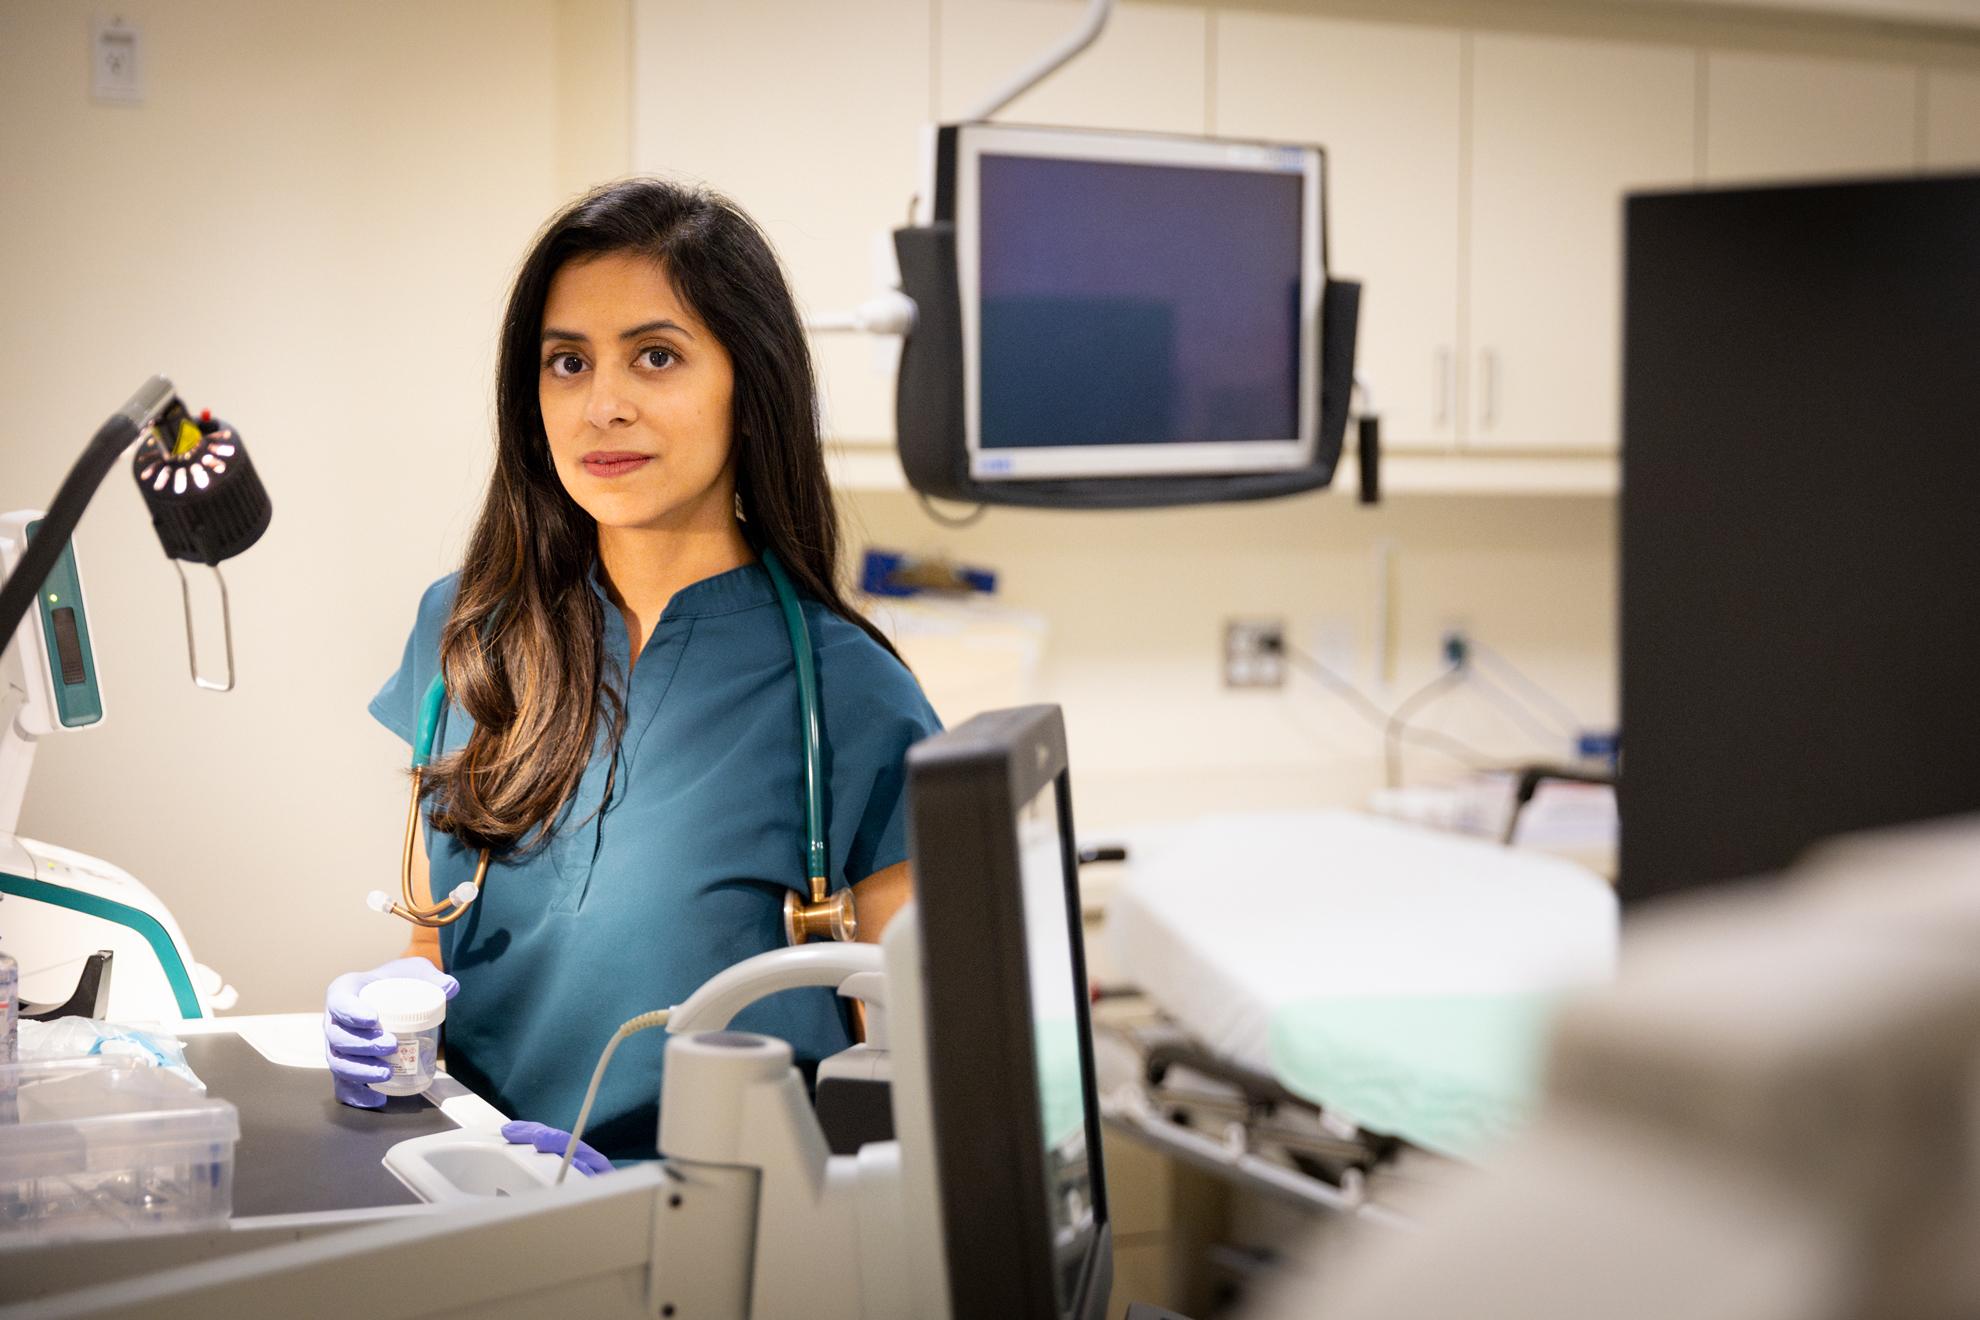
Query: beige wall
{"x": 308, "y": 224}
{"x": 1136, "y": 603}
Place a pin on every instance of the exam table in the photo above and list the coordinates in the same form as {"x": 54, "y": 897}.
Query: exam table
{"x": 1334, "y": 988}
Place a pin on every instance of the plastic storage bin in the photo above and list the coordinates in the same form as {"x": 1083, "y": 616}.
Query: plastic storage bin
{"x": 96, "y": 1147}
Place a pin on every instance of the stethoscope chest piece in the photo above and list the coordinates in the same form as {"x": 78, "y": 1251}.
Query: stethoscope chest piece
{"x": 823, "y": 918}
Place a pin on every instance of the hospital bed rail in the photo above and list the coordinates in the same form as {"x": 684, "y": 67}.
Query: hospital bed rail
{"x": 1245, "y": 1127}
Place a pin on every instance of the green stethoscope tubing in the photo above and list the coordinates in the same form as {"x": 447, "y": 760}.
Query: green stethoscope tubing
{"x": 810, "y": 730}
{"x": 810, "y": 727}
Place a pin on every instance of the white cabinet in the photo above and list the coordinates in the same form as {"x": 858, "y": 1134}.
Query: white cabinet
{"x": 1952, "y": 120}
{"x": 1385, "y": 101}
{"x": 1775, "y": 117}
{"x": 1560, "y": 130}
{"x": 1488, "y": 326}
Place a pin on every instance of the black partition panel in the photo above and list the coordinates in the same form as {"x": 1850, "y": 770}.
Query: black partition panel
{"x": 1800, "y": 521}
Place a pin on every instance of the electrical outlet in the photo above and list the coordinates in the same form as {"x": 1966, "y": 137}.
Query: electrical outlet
{"x": 1454, "y": 646}
{"x": 1254, "y": 653}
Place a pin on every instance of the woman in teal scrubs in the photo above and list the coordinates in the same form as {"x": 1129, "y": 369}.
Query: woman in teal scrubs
{"x": 623, "y": 729}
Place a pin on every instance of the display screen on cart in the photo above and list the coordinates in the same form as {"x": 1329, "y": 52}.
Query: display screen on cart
{"x": 1049, "y": 919}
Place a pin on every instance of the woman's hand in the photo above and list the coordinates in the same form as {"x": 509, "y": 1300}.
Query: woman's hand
{"x": 553, "y": 1141}
{"x": 352, "y": 1039}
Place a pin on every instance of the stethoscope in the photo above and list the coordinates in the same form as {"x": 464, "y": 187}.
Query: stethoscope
{"x": 824, "y": 917}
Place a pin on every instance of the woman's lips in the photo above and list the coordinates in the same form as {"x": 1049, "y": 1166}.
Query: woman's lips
{"x": 614, "y": 463}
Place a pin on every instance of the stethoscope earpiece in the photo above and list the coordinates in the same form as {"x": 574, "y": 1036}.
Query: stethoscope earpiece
{"x": 464, "y": 893}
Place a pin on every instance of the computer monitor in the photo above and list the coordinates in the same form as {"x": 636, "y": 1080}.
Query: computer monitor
{"x": 1801, "y": 491}
{"x": 1108, "y": 318}
{"x": 1002, "y": 1013}
{"x": 1136, "y": 304}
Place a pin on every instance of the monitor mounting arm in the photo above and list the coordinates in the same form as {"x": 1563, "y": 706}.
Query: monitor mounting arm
{"x": 1088, "y": 31}
{"x": 891, "y": 312}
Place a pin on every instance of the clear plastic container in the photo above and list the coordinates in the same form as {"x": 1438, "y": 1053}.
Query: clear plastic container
{"x": 10, "y": 1008}
{"x": 102, "y": 1147}
{"x": 412, "y": 1010}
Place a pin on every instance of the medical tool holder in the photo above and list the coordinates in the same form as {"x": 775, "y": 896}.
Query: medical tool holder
{"x": 207, "y": 504}
{"x": 752, "y": 1214}
{"x": 215, "y": 509}
{"x": 766, "y": 1220}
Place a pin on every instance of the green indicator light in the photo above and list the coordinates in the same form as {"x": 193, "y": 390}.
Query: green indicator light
{"x": 52, "y": 598}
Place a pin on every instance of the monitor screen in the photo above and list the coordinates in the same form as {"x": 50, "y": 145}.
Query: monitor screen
{"x": 1050, "y": 918}
{"x": 1135, "y": 304}
{"x": 1012, "y": 1114}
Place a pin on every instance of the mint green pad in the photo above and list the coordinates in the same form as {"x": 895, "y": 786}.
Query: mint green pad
{"x": 1452, "y": 1073}
{"x": 1061, "y": 1080}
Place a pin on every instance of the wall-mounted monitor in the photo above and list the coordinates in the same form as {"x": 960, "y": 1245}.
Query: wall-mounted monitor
{"x": 1135, "y": 305}
{"x": 1114, "y": 319}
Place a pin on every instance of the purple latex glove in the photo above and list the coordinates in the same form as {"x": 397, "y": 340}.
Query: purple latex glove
{"x": 352, "y": 1040}
{"x": 552, "y": 1141}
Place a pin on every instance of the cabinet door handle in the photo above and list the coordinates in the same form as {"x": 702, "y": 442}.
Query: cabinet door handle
{"x": 1442, "y": 384}
{"x": 1488, "y": 387}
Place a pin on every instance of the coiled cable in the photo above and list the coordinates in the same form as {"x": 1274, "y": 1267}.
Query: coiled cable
{"x": 657, "y": 1018}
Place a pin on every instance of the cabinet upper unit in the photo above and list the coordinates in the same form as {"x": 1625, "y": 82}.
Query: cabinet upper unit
{"x": 1477, "y": 181}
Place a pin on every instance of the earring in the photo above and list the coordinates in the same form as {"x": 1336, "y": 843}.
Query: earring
{"x": 739, "y": 508}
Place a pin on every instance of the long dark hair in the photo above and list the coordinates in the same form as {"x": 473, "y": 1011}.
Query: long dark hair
{"x": 524, "y": 651}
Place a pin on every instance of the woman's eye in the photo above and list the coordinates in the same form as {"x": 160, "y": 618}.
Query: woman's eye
{"x": 565, "y": 364}
{"x": 657, "y": 358}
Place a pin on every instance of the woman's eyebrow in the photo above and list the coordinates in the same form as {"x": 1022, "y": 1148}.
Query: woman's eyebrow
{"x": 650, "y": 326}
{"x": 551, "y": 332}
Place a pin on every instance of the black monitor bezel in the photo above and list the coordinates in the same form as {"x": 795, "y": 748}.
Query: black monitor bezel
{"x": 965, "y": 788}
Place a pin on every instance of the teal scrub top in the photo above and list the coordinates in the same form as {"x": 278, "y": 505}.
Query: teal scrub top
{"x": 635, "y": 902}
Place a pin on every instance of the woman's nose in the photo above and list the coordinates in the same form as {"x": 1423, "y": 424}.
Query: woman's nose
{"x": 609, "y": 402}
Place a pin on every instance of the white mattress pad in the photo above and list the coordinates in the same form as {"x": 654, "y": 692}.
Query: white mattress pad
{"x": 1231, "y": 921}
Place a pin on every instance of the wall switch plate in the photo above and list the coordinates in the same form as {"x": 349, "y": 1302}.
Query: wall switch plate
{"x": 116, "y": 66}
{"x": 1254, "y": 653}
